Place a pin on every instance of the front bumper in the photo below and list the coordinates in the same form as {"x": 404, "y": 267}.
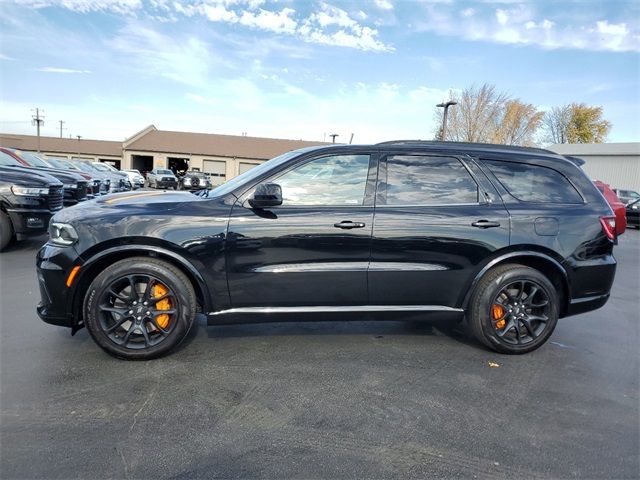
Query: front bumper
{"x": 56, "y": 299}
{"x": 166, "y": 183}
{"x": 29, "y": 221}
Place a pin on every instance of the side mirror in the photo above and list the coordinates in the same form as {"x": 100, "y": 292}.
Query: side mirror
{"x": 266, "y": 195}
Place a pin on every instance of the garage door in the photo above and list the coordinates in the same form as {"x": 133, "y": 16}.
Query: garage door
{"x": 217, "y": 170}
{"x": 244, "y": 166}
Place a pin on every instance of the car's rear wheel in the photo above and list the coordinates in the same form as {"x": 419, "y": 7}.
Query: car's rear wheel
{"x": 6, "y": 230}
{"x": 139, "y": 308}
{"x": 514, "y": 309}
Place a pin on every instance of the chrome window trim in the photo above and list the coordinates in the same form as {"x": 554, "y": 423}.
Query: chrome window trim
{"x": 338, "y": 309}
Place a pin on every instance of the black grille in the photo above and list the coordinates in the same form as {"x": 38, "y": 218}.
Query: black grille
{"x": 167, "y": 179}
{"x": 81, "y": 192}
{"x": 55, "y": 198}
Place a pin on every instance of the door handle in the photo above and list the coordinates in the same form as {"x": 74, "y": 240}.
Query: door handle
{"x": 347, "y": 225}
{"x": 485, "y": 224}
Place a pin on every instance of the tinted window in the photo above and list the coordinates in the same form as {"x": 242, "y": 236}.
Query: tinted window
{"x": 335, "y": 180}
{"x": 417, "y": 180}
{"x": 533, "y": 183}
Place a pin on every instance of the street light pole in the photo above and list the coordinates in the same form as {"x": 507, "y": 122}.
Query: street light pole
{"x": 444, "y": 118}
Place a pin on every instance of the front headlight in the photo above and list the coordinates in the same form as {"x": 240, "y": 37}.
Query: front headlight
{"x": 29, "y": 191}
{"x": 70, "y": 186}
{"x": 62, "y": 234}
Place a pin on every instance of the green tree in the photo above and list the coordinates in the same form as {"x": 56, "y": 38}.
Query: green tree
{"x": 575, "y": 123}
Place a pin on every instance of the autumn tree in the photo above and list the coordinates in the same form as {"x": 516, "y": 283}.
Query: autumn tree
{"x": 576, "y": 123}
{"x": 485, "y": 115}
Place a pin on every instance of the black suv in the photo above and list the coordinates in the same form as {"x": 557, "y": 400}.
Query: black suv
{"x": 508, "y": 239}
{"x": 28, "y": 199}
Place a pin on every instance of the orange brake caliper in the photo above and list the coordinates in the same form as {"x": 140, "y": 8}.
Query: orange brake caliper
{"x": 164, "y": 304}
{"x": 497, "y": 312}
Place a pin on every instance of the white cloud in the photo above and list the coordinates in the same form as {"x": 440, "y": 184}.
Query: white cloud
{"x": 86, "y": 6}
{"x": 520, "y": 24}
{"x": 61, "y": 70}
{"x": 182, "y": 59}
{"x": 384, "y": 4}
{"x": 5, "y": 57}
{"x": 278, "y": 22}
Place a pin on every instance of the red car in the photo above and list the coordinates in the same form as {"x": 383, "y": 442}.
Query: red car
{"x": 617, "y": 206}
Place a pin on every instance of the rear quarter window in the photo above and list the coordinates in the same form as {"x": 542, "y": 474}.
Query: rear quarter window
{"x": 534, "y": 183}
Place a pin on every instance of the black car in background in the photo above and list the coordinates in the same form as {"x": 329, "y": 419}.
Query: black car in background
{"x": 626, "y": 196}
{"x": 75, "y": 186}
{"x": 28, "y": 199}
{"x": 193, "y": 180}
{"x": 507, "y": 239}
{"x": 633, "y": 214}
{"x": 97, "y": 184}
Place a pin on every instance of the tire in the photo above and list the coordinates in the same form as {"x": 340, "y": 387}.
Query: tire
{"x": 6, "y": 231}
{"x": 136, "y": 345}
{"x": 524, "y": 328}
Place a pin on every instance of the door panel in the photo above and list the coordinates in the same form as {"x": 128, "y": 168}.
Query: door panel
{"x": 312, "y": 250}
{"x": 425, "y": 254}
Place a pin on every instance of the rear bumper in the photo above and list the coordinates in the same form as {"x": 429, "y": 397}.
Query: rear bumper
{"x": 590, "y": 284}
{"x": 586, "y": 304}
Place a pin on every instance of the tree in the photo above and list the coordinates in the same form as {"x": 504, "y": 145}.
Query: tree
{"x": 517, "y": 124}
{"x": 576, "y": 123}
{"x": 484, "y": 115}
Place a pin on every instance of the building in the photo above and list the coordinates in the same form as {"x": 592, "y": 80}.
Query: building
{"x": 222, "y": 156}
{"x": 617, "y": 164}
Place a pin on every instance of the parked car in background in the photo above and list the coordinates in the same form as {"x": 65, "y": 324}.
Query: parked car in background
{"x": 136, "y": 178}
{"x": 106, "y": 167}
{"x": 113, "y": 180}
{"x": 633, "y": 214}
{"x": 28, "y": 199}
{"x": 626, "y": 196}
{"x": 75, "y": 186}
{"x": 96, "y": 185}
{"x": 508, "y": 239}
{"x": 194, "y": 180}
{"x": 162, "y": 178}
{"x": 616, "y": 205}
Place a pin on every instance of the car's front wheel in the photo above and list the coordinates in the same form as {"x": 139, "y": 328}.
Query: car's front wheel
{"x": 139, "y": 308}
{"x": 514, "y": 309}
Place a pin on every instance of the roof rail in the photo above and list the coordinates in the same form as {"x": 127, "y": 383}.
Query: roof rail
{"x": 466, "y": 144}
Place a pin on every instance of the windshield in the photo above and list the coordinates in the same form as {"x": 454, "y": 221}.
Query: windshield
{"x": 164, "y": 172}
{"x": 7, "y": 160}
{"x": 255, "y": 172}
{"x": 100, "y": 166}
{"x": 32, "y": 159}
{"x": 85, "y": 167}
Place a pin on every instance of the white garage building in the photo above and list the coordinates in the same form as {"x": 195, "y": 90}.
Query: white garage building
{"x": 617, "y": 164}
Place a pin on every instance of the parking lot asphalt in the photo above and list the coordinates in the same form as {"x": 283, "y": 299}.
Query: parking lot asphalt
{"x": 323, "y": 399}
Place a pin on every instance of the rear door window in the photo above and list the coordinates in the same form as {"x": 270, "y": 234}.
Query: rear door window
{"x": 534, "y": 183}
{"x": 428, "y": 180}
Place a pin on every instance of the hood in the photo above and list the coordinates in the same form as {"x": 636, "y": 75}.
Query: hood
{"x": 27, "y": 177}
{"x": 131, "y": 203}
{"x": 65, "y": 176}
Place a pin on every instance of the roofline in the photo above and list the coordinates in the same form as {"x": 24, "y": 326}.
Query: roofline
{"x": 245, "y": 136}
{"x": 474, "y": 145}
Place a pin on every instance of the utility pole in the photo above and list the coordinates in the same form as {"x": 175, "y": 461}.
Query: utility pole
{"x": 62, "y": 122}
{"x": 444, "y": 118}
{"x": 333, "y": 137}
{"x": 37, "y": 120}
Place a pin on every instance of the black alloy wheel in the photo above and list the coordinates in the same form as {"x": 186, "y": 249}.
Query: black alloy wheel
{"x": 514, "y": 309}
{"x": 137, "y": 311}
{"x": 140, "y": 308}
{"x": 520, "y": 312}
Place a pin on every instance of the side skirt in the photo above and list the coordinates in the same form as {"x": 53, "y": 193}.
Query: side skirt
{"x": 330, "y": 312}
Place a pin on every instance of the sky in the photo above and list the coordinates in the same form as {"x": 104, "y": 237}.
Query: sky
{"x": 306, "y": 69}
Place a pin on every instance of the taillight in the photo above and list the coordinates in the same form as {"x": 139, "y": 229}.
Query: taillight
{"x": 609, "y": 227}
